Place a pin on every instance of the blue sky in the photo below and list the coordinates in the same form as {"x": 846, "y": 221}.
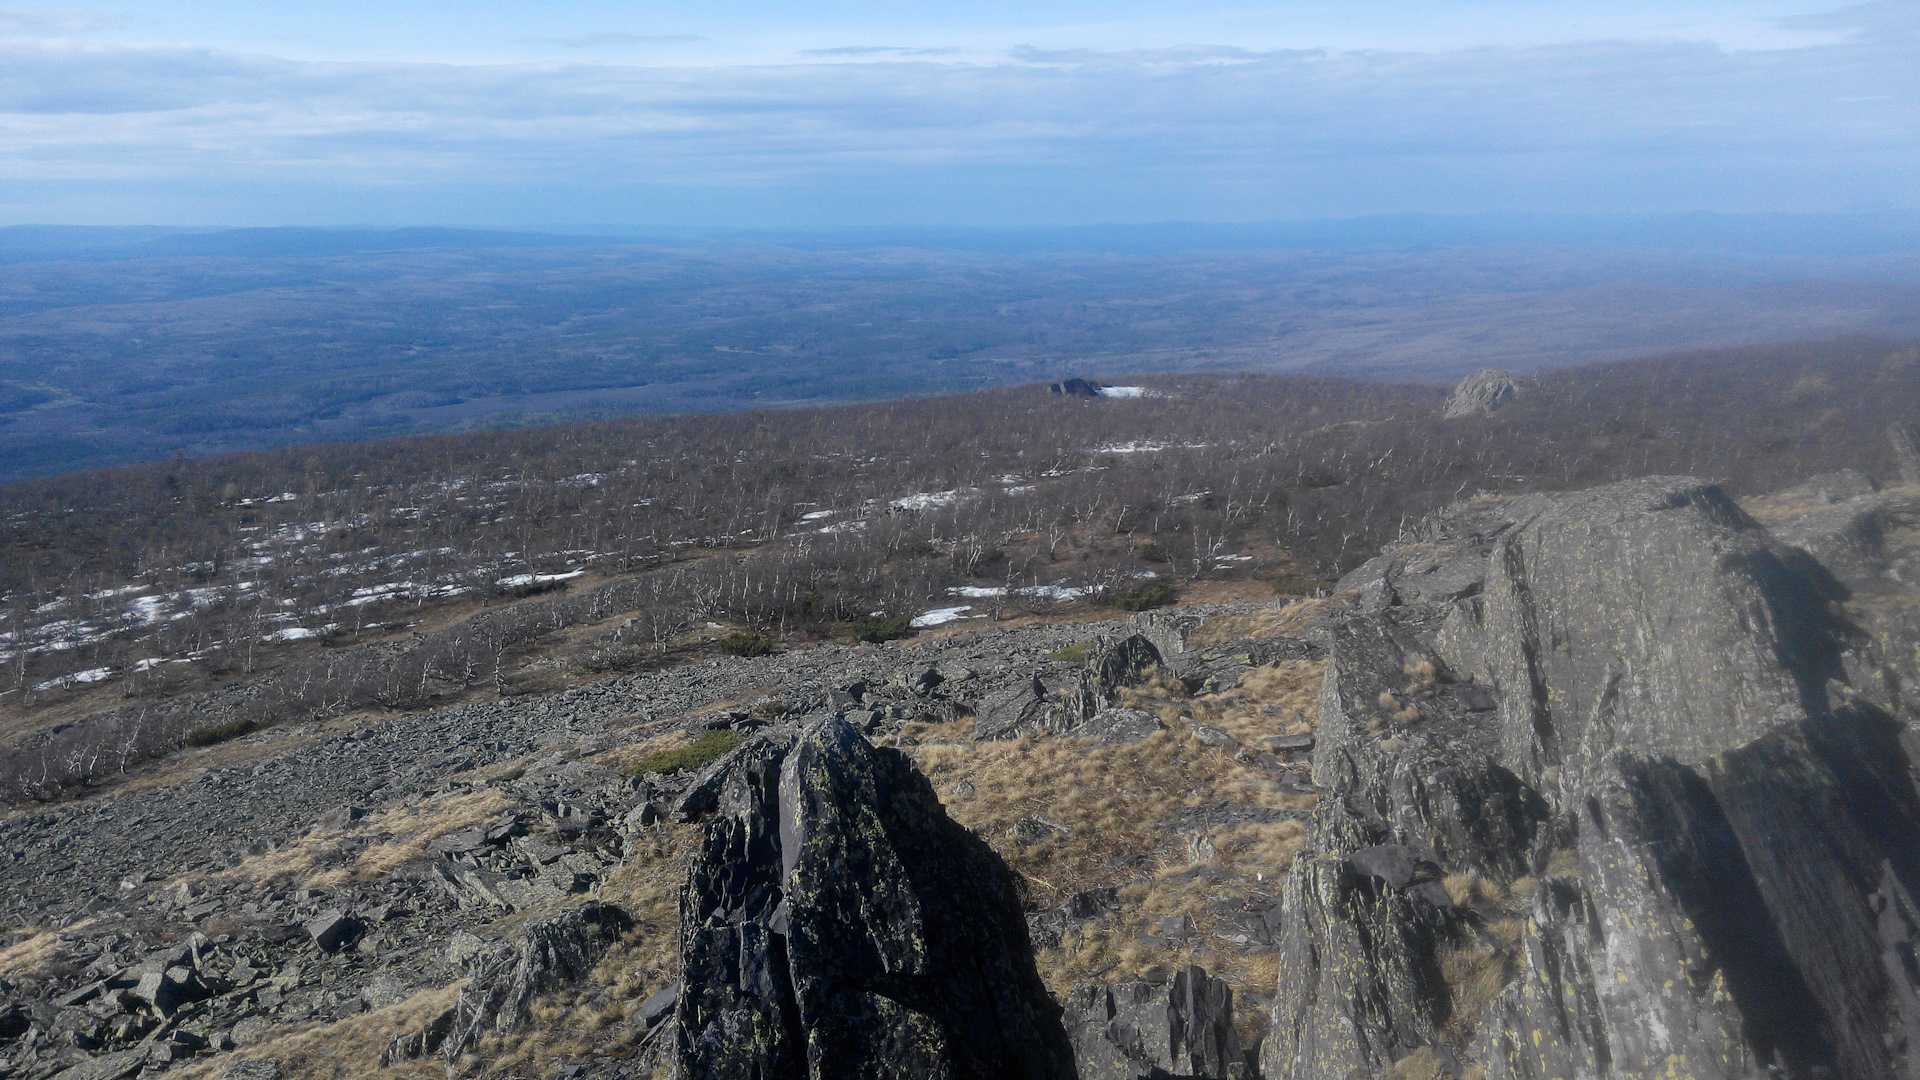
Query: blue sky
{"x": 853, "y": 112}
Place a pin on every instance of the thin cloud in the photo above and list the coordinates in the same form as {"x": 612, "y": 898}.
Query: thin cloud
{"x": 54, "y": 24}
{"x": 1572, "y": 119}
{"x": 615, "y": 40}
{"x": 858, "y": 51}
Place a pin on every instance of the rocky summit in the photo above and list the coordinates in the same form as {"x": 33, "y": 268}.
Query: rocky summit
{"x": 1604, "y": 784}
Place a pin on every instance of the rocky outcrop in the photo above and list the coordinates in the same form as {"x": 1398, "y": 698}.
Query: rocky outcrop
{"x": 1631, "y": 706}
{"x": 1032, "y": 708}
{"x": 1481, "y": 392}
{"x": 1181, "y": 1030}
{"x": 1653, "y": 614}
{"x": 1359, "y": 987}
{"x": 504, "y": 981}
{"x": 837, "y": 923}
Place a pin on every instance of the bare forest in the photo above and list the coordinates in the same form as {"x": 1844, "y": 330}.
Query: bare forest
{"x": 152, "y": 607}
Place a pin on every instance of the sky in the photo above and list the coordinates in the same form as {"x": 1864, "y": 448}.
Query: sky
{"x": 858, "y": 112}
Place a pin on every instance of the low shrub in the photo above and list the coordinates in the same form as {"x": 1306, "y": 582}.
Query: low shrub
{"x": 746, "y": 643}
{"x": 1144, "y": 596}
{"x": 214, "y": 734}
{"x": 698, "y": 754}
{"x": 882, "y": 628}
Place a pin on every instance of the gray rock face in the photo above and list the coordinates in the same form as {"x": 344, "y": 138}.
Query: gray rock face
{"x": 1776, "y": 877}
{"x": 1358, "y": 988}
{"x": 1481, "y": 392}
{"x": 1651, "y": 614}
{"x": 1183, "y": 1029}
{"x": 1635, "y": 696}
{"x": 837, "y": 923}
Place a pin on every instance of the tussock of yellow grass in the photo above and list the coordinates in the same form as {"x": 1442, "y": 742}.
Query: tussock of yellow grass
{"x": 414, "y": 826}
{"x": 32, "y": 950}
{"x": 319, "y": 859}
{"x": 345, "y": 1050}
{"x": 1272, "y": 620}
{"x": 1475, "y": 974}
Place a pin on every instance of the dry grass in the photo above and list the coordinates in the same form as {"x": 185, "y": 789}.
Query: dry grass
{"x": 1475, "y": 974}
{"x": 320, "y": 859}
{"x": 32, "y": 950}
{"x": 415, "y": 825}
{"x": 1272, "y": 620}
{"x": 1111, "y": 805}
{"x": 343, "y": 1050}
{"x": 594, "y": 1017}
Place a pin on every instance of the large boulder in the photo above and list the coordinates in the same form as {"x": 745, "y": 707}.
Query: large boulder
{"x": 836, "y": 923}
{"x": 1651, "y": 614}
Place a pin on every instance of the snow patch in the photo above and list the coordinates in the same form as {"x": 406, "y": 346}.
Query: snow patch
{"x": 78, "y": 678}
{"x": 518, "y": 580}
{"x": 942, "y": 616}
{"x": 929, "y": 500}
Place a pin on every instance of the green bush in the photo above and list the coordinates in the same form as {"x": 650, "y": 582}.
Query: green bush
{"x": 215, "y": 734}
{"x": 1146, "y": 595}
{"x": 882, "y": 628}
{"x": 698, "y": 754}
{"x": 746, "y": 643}
{"x": 1072, "y": 654}
{"x": 1153, "y": 553}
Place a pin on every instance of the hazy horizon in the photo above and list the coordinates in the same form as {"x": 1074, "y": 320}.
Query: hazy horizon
{"x": 855, "y": 113}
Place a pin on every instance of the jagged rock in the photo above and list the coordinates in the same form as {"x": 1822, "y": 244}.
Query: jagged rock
{"x": 503, "y": 982}
{"x": 1126, "y": 662}
{"x": 703, "y": 796}
{"x": 1029, "y": 709}
{"x": 1032, "y": 709}
{"x": 1906, "y": 455}
{"x": 1752, "y": 909}
{"x": 1481, "y": 392}
{"x": 333, "y": 930}
{"x": 837, "y": 923}
{"x": 1167, "y": 631}
{"x": 659, "y": 1006}
{"x": 1358, "y": 985}
{"x": 166, "y": 991}
{"x": 1651, "y": 614}
{"x": 1138, "y": 1031}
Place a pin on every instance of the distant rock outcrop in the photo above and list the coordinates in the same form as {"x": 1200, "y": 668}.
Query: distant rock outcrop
{"x": 1482, "y": 392}
{"x": 837, "y": 923}
{"x": 1080, "y": 388}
